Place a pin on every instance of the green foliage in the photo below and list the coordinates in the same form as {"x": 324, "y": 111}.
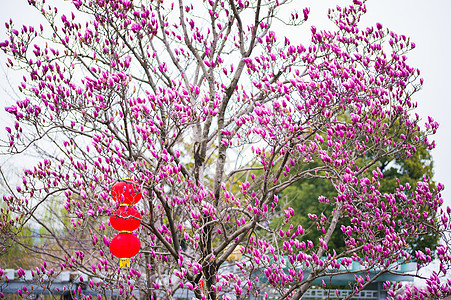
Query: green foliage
{"x": 410, "y": 171}
{"x": 303, "y": 197}
{"x": 13, "y": 254}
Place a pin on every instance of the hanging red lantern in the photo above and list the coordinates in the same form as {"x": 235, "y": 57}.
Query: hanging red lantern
{"x": 124, "y": 246}
{"x": 126, "y": 192}
{"x": 126, "y": 218}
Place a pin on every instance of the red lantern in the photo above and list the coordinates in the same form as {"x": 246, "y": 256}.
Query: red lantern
{"x": 126, "y": 218}
{"x": 126, "y": 192}
{"x": 125, "y": 245}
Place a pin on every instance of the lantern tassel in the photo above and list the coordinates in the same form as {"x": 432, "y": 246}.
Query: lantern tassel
{"x": 124, "y": 263}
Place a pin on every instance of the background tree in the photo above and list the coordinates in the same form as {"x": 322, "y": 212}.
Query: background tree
{"x": 11, "y": 254}
{"x": 303, "y": 197}
{"x": 119, "y": 88}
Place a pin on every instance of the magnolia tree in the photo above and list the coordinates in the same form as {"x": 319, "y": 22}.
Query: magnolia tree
{"x": 213, "y": 114}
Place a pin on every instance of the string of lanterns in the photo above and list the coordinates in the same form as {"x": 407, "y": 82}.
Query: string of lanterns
{"x": 126, "y": 219}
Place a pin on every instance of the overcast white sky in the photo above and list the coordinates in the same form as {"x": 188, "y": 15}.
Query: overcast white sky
{"x": 427, "y": 23}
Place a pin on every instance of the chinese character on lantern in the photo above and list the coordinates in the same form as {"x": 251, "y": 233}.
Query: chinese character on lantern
{"x": 125, "y": 220}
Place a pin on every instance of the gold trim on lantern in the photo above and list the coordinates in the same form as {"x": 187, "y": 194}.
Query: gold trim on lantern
{"x": 124, "y": 263}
